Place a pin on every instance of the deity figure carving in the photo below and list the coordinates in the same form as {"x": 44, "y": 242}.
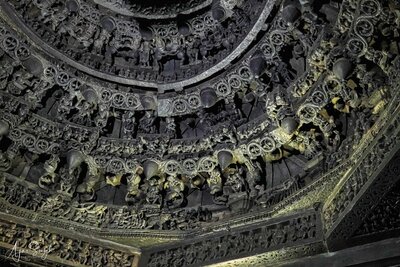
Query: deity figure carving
{"x": 147, "y": 124}
{"x": 175, "y": 188}
{"x": 133, "y": 181}
{"x": 215, "y": 182}
{"x": 49, "y": 175}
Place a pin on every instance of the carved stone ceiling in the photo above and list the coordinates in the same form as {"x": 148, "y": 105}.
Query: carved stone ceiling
{"x": 155, "y": 121}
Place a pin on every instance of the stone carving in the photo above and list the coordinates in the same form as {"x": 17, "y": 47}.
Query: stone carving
{"x": 297, "y": 101}
{"x": 130, "y": 49}
{"x": 142, "y": 9}
{"x": 297, "y": 230}
{"x": 383, "y": 217}
{"x": 46, "y": 244}
{"x": 360, "y": 176}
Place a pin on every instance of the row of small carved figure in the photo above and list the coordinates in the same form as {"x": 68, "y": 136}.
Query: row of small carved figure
{"x": 44, "y": 244}
{"x": 97, "y": 215}
{"x": 262, "y": 239}
{"x": 159, "y": 9}
{"x": 156, "y": 53}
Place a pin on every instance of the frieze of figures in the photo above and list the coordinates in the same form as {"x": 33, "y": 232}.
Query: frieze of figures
{"x": 299, "y": 230}
{"x": 101, "y": 216}
{"x": 152, "y": 53}
{"x": 45, "y": 244}
{"x": 140, "y": 10}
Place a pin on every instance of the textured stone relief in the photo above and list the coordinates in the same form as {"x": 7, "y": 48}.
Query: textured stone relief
{"x": 45, "y": 245}
{"x": 159, "y": 52}
{"x": 384, "y": 217}
{"x": 298, "y": 230}
{"x": 298, "y": 100}
{"x": 364, "y": 32}
{"x": 149, "y": 10}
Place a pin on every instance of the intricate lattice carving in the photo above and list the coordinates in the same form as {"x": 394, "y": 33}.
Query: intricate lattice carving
{"x": 182, "y": 122}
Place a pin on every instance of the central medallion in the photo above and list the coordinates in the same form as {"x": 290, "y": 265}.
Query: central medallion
{"x": 159, "y": 54}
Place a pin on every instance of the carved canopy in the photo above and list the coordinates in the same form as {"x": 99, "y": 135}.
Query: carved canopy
{"x": 179, "y": 133}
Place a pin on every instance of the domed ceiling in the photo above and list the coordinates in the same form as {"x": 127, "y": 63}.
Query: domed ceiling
{"x": 168, "y": 118}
